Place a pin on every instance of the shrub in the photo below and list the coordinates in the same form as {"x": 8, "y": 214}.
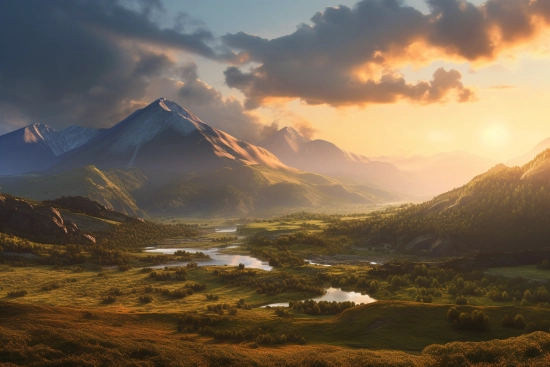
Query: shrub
{"x": 477, "y": 320}
{"x": 519, "y": 321}
{"x": 19, "y": 293}
{"x": 145, "y": 298}
{"x": 461, "y": 300}
{"x": 507, "y": 321}
{"x": 109, "y": 299}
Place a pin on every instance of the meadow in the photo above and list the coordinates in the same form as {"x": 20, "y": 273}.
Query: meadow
{"x": 139, "y": 313}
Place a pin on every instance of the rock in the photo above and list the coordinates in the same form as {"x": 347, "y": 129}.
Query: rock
{"x": 38, "y": 221}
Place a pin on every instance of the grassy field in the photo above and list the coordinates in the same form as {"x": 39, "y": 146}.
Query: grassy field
{"x": 47, "y": 335}
{"x": 526, "y": 272}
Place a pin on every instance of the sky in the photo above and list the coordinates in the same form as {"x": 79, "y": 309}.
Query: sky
{"x": 375, "y": 77}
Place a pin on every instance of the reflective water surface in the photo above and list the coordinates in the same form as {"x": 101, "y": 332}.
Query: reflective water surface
{"x": 335, "y": 294}
{"x": 216, "y": 258}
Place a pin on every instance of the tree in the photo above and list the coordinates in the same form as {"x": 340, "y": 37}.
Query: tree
{"x": 519, "y": 321}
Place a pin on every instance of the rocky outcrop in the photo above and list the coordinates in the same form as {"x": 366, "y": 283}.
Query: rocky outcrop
{"x": 81, "y": 204}
{"x": 38, "y": 222}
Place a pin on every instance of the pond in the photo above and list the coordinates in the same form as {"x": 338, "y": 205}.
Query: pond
{"x": 226, "y": 230}
{"x": 334, "y": 294}
{"x": 216, "y": 258}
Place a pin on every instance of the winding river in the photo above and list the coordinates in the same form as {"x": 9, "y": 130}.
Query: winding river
{"x": 218, "y": 258}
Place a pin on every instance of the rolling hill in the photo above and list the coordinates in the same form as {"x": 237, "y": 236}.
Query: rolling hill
{"x": 505, "y": 208}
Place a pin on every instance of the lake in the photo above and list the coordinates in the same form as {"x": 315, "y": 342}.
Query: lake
{"x": 334, "y": 294}
{"x": 216, "y": 258}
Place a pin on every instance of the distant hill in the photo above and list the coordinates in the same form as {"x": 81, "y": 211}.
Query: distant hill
{"x": 324, "y": 157}
{"x": 524, "y": 158}
{"x": 504, "y": 209}
{"x": 225, "y": 192}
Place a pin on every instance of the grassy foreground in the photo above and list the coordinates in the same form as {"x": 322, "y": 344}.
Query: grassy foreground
{"x": 35, "y": 335}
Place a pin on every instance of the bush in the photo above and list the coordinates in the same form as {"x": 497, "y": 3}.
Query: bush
{"x": 519, "y": 321}
{"x": 145, "y": 298}
{"x": 461, "y": 300}
{"x": 507, "y": 321}
{"x": 109, "y": 299}
{"x": 477, "y": 320}
{"x": 19, "y": 293}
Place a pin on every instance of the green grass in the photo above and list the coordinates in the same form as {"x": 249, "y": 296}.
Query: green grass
{"x": 525, "y": 271}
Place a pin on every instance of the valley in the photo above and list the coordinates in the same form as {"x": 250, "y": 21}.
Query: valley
{"x": 243, "y": 290}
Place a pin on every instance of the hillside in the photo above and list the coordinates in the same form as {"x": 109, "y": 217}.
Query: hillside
{"x": 228, "y": 191}
{"x": 503, "y": 209}
{"x": 526, "y": 157}
{"x": 324, "y": 157}
{"x": 38, "y": 221}
{"x": 255, "y": 188}
{"x": 109, "y": 189}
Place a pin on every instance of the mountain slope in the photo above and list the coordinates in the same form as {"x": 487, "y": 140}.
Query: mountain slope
{"x": 165, "y": 137}
{"x": 35, "y": 147}
{"x": 229, "y": 191}
{"x": 503, "y": 209}
{"x": 324, "y": 157}
{"x": 524, "y": 158}
{"x": 38, "y": 221}
{"x": 88, "y": 181}
{"x": 255, "y": 188}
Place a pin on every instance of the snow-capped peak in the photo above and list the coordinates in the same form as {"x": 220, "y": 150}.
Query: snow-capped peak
{"x": 58, "y": 142}
{"x": 145, "y": 124}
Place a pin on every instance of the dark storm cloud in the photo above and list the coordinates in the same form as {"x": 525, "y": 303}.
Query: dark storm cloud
{"x": 349, "y": 55}
{"x": 82, "y": 62}
{"x": 208, "y": 103}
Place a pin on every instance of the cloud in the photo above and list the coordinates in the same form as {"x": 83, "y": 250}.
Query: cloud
{"x": 83, "y": 62}
{"x": 208, "y": 103}
{"x": 502, "y": 86}
{"x": 350, "y": 56}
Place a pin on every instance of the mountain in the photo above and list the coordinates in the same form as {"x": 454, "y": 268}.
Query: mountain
{"x": 524, "y": 158}
{"x": 165, "y": 137}
{"x": 164, "y": 159}
{"x": 503, "y": 209}
{"x": 324, "y": 157}
{"x": 35, "y": 147}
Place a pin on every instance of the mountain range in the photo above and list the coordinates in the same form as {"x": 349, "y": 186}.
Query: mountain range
{"x": 418, "y": 176}
{"x": 162, "y": 158}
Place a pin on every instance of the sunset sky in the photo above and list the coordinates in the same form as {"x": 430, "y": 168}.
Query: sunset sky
{"x": 376, "y": 77}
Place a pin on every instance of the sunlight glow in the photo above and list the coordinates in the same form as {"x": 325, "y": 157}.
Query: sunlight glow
{"x": 495, "y": 135}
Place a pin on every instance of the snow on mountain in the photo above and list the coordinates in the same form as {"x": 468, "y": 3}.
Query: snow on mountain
{"x": 74, "y": 136}
{"x": 35, "y": 147}
{"x": 164, "y": 136}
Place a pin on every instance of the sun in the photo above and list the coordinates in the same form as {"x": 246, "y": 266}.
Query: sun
{"x": 495, "y": 135}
